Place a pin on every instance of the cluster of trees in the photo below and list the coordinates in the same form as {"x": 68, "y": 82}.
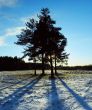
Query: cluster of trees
{"x": 43, "y": 41}
{"x": 86, "y": 67}
{"x": 11, "y": 63}
{"x": 15, "y": 63}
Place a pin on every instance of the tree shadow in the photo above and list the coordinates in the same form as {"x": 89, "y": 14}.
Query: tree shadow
{"x": 54, "y": 103}
{"x": 13, "y": 84}
{"x": 78, "y": 98}
{"x": 12, "y": 101}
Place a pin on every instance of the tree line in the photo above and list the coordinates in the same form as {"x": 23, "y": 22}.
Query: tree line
{"x": 14, "y": 63}
{"x": 11, "y": 63}
{"x": 85, "y": 67}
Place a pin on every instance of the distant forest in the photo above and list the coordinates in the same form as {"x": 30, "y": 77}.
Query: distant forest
{"x": 15, "y": 63}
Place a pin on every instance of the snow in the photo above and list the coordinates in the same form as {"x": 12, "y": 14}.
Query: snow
{"x": 20, "y": 90}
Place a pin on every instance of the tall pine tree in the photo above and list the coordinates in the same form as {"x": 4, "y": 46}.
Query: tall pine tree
{"x": 42, "y": 38}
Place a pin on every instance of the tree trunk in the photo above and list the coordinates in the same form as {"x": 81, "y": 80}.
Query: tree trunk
{"x": 35, "y": 71}
{"x": 35, "y": 66}
{"x": 52, "y": 74}
{"x": 42, "y": 63}
{"x": 55, "y": 66}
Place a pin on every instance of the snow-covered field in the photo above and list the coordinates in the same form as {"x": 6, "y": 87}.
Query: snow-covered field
{"x": 21, "y": 90}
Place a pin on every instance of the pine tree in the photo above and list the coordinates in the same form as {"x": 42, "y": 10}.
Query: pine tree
{"x": 42, "y": 38}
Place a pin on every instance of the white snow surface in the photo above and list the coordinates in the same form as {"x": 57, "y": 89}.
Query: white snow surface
{"x": 21, "y": 91}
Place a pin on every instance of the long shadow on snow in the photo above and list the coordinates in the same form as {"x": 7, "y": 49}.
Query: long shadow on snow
{"x": 12, "y": 101}
{"x": 15, "y": 83}
{"x": 53, "y": 97}
{"x": 78, "y": 98}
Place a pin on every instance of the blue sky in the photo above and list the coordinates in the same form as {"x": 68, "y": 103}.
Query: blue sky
{"x": 74, "y": 16}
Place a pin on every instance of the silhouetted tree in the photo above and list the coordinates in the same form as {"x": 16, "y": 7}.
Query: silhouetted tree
{"x": 27, "y": 39}
{"x": 42, "y": 38}
{"x": 52, "y": 42}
